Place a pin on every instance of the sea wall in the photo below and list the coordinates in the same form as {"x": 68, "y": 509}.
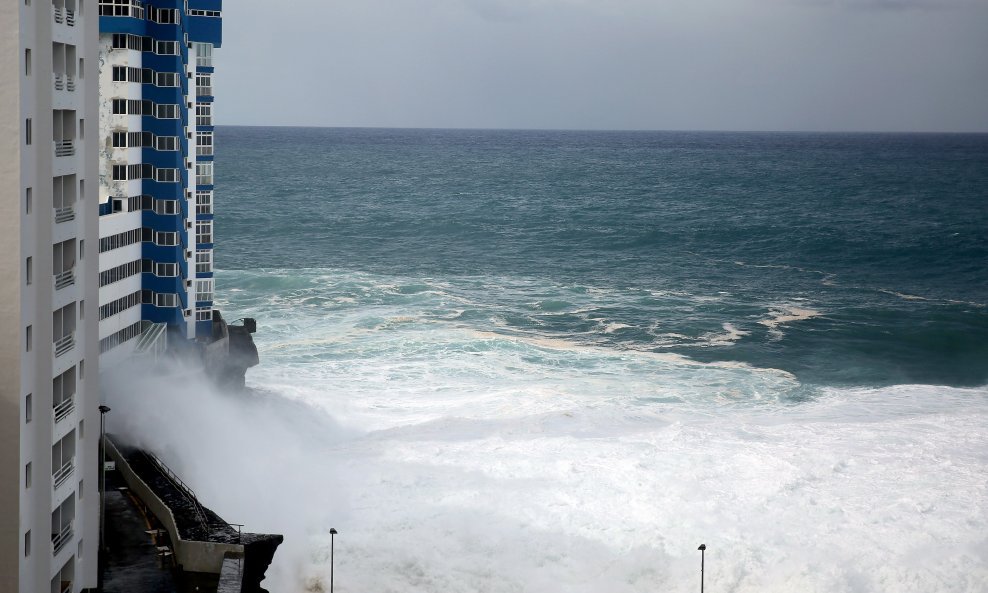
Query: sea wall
{"x": 192, "y": 556}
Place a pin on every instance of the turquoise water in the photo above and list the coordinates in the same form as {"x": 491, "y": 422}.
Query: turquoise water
{"x": 883, "y": 237}
{"x": 541, "y": 361}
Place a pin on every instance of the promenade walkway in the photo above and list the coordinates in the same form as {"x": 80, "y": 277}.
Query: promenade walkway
{"x": 133, "y": 562}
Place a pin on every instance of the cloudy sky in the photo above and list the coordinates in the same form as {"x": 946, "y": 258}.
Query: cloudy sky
{"x": 882, "y": 65}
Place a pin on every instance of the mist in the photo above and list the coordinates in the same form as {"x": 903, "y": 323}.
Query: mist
{"x": 459, "y": 473}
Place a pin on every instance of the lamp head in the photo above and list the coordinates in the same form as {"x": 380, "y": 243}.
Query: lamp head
{"x": 332, "y": 531}
{"x": 702, "y": 547}
{"x": 104, "y": 409}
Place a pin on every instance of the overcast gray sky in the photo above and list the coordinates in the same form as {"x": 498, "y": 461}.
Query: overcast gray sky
{"x": 882, "y": 65}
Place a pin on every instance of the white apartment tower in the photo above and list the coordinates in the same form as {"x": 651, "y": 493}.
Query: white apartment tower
{"x": 49, "y": 235}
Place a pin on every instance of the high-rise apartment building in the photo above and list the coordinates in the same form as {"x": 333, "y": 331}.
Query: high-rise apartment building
{"x": 49, "y": 418}
{"x": 156, "y": 173}
{"x": 106, "y": 150}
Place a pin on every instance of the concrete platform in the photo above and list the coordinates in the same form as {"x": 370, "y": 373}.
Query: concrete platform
{"x": 133, "y": 561}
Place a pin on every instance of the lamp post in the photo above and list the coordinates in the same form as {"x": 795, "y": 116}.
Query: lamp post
{"x": 102, "y": 490}
{"x": 332, "y": 560}
{"x": 702, "y": 548}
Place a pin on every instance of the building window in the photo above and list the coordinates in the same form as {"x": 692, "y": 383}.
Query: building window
{"x": 28, "y": 338}
{"x": 28, "y": 198}
{"x": 204, "y": 173}
{"x": 166, "y": 143}
{"x": 27, "y": 543}
{"x": 166, "y": 48}
{"x": 27, "y": 62}
{"x": 166, "y": 175}
{"x": 29, "y": 272}
{"x": 168, "y": 79}
{"x": 27, "y": 476}
{"x": 204, "y": 290}
{"x": 204, "y": 261}
{"x": 166, "y": 299}
{"x": 27, "y": 131}
{"x": 204, "y": 231}
{"x": 166, "y": 239}
{"x": 204, "y": 54}
{"x": 166, "y": 270}
{"x": 204, "y": 201}
{"x": 131, "y": 8}
{"x": 164, "y": 16}
{"x": 28, "y": 408}
{"x": 119, "y": 306}
{"x": 204, "y": 143}
{"x": 167, "y": 111}
{"x": 204, "y": 84}
{"x": 204, "y": 114}
{"x": 166, "y": 207}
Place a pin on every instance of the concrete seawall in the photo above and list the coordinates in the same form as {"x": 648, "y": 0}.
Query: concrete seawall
{"x": 201, "y": 541}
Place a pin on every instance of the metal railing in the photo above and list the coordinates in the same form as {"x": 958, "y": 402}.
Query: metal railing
{"x": 153, "y": 340}
{"x": 58, "y": 540}
{"x": 62, "y": 474}
{"x": 59, "y": 14}
{"x": 69, "y": 83}
{"x": 184, "y": 489}
{"x": 63, "y": 279}
{"x": 59, "y": 82}
{"x": 64, "y": 214}
{"x": 64, "y": 148}
{"x": 64, "y": 344}
{"x": 64, "y": 409}
{"x": 70, "y": 17}
{"x": 66, "y": 587}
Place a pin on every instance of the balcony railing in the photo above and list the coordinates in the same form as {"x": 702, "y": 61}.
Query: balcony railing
{"x": 64, "y": 409}
{"x": 64, "y": 214}
{"x": 70, "y": 18}
{"x": 58, "y": 540}
{"x": 64, "y": 148}
{"x": 59, "y": 14}
{"x": 59, "y": 82}
{"x": 62, "y": 474}
{"x": 64, "y": 344}
{"x": 63, "y": 279}
{"x": 69, "y": 83}
{"x": 66, "y": 587}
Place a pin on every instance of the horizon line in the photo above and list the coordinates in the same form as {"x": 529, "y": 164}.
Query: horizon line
{"x": 609, "y": 130}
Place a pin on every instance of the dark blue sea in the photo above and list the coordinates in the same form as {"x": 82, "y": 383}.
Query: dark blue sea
{"x": 560, "y": 361}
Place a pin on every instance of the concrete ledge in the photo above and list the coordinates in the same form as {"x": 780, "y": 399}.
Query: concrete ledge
{"x": 251, "y": 555}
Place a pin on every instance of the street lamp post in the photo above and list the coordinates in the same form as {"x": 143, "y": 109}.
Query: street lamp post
{"x": 102, "y": 491}
{"x": 332, "y": 560}
{"x": 702, "y": 548}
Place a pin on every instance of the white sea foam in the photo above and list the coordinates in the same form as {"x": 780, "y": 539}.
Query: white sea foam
{"x": 453, "y": 458}
{"x": 784, "y": 315}
{"x": 731, "y": 335}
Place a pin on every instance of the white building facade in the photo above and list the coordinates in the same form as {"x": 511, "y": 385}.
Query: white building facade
{"x": 49, "y": 234}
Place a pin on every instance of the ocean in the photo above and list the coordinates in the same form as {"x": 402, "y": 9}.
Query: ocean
{"x": 537, "y": 361}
